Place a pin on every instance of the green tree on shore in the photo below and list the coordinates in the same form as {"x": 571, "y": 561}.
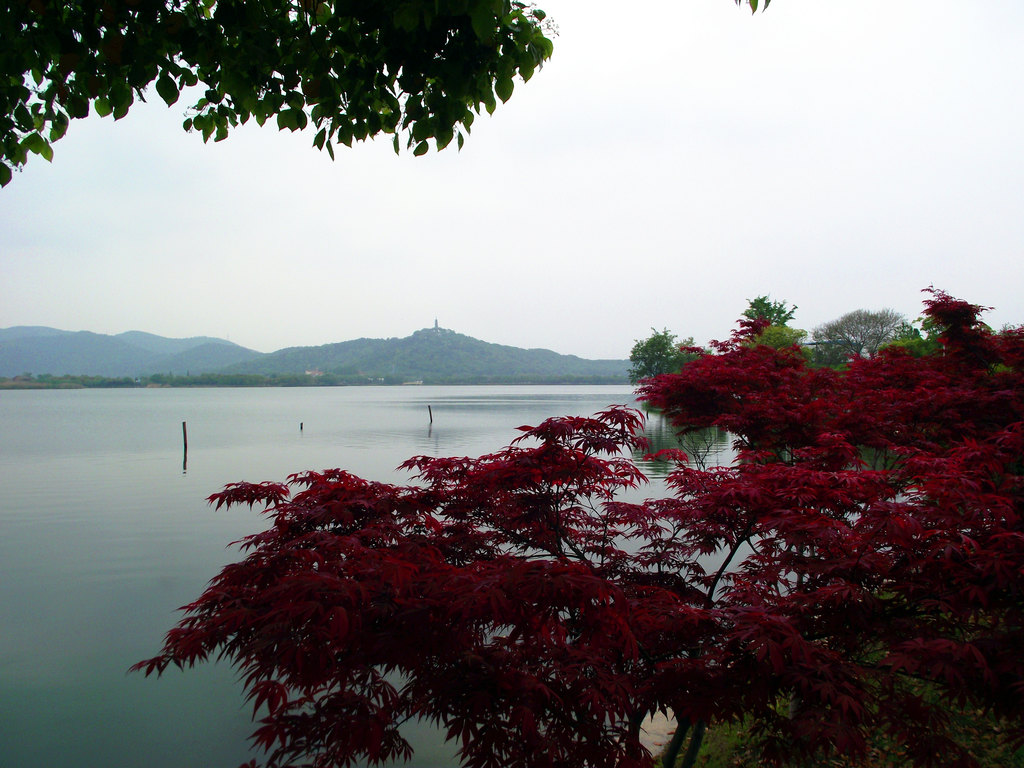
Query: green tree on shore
{"x": 657, "y": 354}
{"x": 774, "y": 317}
{"x": 860, "y": 332}
{"x": 775, "y": 312}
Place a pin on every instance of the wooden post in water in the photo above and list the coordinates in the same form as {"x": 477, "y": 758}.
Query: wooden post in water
{"x": 431, "y": 414}
{"x": 184, "y": 440}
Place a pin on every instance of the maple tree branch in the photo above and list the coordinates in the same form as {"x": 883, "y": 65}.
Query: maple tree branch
{"x": 744, "y": 539}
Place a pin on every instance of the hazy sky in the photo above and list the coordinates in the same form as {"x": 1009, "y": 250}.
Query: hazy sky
{"x": 674, "y": 159}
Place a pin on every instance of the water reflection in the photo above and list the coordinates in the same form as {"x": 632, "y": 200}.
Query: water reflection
{"x": 704, "y": 448}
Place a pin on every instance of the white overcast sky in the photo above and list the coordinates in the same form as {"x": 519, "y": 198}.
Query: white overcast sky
{"x": 674, "y": 159}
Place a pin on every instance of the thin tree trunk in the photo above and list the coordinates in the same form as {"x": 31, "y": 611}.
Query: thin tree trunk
{"x": 636, "y": 720}
{"x": 694, "y": 747}
{"x": 668, "y": 757}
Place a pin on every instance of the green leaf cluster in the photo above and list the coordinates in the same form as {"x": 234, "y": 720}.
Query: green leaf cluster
{"x": 917, "y": 341}
{"x": 780, "y": 337}
{"x": 417, "y": 69}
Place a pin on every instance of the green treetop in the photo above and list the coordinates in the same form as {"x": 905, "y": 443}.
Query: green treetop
{"x": 657, "y": 354}
{"x": 775, "y": 312}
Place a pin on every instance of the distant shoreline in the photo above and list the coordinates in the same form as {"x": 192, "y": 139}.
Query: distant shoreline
{"x": 218, "y": 381}
{"x": 31, "y": 356}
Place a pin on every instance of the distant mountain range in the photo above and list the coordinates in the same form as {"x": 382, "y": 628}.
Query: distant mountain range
{"x": 431, "y": 355}
{"x": 37, "y": 350}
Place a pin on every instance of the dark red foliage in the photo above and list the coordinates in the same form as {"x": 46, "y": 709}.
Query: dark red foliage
{"x": 858, "y": 569}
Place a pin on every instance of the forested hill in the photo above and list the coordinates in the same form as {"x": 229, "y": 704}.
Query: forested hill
{"x": 432, "y": 355}
{"x": 437, "y": 356}
{"x": 42, "y": 350}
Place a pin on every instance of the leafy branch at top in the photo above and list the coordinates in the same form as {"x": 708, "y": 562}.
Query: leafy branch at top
{"x": 417, "y": 69}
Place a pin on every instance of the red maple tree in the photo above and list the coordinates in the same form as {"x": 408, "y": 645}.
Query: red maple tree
{"x": 857, "y": 570}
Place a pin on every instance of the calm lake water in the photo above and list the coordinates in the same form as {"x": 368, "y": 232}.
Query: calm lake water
{"x": 104, "y": 533}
